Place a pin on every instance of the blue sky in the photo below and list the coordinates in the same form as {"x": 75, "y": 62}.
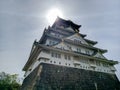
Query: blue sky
{"x": 23, "y": 21}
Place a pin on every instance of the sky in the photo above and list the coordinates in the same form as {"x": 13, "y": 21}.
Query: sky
{"x": 23, "y": 21}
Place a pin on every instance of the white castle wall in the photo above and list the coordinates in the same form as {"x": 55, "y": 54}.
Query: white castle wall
{"x": 81, "y": 63}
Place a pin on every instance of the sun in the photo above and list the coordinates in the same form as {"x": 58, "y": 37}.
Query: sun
{"x": 52, "y": 15}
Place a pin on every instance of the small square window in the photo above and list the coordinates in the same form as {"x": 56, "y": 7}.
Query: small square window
{"x": 59, "y": 55}
{"x": 69, "y": 58}
{"x": 65, "y": 56}
{"x": 52, "y": 54}
{"x": 56, "y": 55}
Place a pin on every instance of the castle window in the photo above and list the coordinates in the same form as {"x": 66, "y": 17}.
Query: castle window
{"x": 78, "y": 50}
{"x": 59, "y": 55}
{"x": 69, "y": 47}
{"x": 77, "y": 41}
{"x": 98, "y": 63}
{"x": 83, "y": 60}
{"x": 67, "y": 57}
{"x": 52, "y": 42}
{"x": 52, "y": 54}
{"x": 87, "y": 52}
{"x": 59, "y": 62}
{"x": 105, "y": 64}
{"x": 56, "y": 55}
{"x": 91, "y": 61}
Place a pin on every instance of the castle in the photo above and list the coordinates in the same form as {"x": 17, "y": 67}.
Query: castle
{"x": 64, "y": 59}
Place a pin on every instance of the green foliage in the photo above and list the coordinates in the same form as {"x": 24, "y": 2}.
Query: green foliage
{"x": 9, "y": 82}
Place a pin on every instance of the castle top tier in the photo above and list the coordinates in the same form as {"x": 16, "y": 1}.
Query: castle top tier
{"x": 66, "y": 23}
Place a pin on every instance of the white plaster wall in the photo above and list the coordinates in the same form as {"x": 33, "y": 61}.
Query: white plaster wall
{"x": 44, "y": 54}
{"x": 75, "y": 63}
{"x": 48, "y": 42}
{"x": 77, "y": 37}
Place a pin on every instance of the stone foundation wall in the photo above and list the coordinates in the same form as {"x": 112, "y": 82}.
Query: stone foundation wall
{"x": 53, "y": 77}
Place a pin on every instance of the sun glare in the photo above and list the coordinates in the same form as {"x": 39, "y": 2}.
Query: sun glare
{"x": 52, "y": 15}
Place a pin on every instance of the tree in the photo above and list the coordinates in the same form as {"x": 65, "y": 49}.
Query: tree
{"x": 9, "y": 82}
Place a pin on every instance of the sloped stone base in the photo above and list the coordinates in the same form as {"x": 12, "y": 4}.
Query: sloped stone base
{"x": 53, "y": 77}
